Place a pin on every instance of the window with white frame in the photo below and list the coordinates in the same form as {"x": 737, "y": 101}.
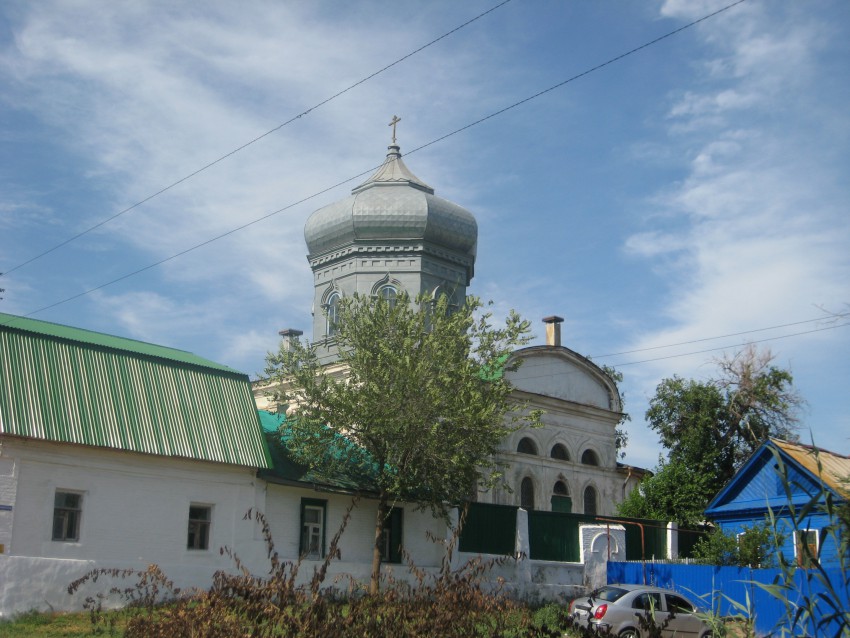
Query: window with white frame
{"x": 312, "y": 544}
{"x": 67, "y": 514}
{"x": 200, "y": 520}
{"x": 806, "y": 546}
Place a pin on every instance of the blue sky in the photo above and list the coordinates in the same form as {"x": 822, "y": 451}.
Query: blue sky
{"x": 695, "y": 189}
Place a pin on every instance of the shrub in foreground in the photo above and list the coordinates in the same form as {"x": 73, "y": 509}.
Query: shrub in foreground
{"x": 449, "y": 603}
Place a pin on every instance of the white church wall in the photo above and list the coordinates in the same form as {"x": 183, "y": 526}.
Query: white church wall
{"x": 578, "y": 428}
{"x": 552, "y": 375}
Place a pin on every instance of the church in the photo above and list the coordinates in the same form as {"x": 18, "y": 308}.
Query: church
{"x": 116, "y": 453}
{"x": 393, "y": 234}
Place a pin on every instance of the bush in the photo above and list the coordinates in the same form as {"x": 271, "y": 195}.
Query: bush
{"x": 753, "y": 548}
{"x": 451, "y": 603}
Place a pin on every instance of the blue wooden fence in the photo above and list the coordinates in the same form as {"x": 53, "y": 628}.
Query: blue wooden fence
{"x": 717, "y": 587}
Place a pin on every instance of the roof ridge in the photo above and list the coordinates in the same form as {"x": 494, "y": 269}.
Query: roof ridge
{"x": 113, "y": 342}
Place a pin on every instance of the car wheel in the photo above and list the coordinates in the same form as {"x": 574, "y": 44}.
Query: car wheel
{"x": 629, "y": 633}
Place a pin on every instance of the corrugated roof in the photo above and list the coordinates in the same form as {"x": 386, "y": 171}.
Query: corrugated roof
{"x": 835, "y": 468}
{"x": 91, "y": 338}
{"x": 69, "y": 385}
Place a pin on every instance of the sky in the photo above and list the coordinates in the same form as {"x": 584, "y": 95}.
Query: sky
{"x": 672, "y": 205}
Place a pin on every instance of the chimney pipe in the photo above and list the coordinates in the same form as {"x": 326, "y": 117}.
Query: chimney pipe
{"x": 553, "y": 330}
{"x": 290, "y": 338}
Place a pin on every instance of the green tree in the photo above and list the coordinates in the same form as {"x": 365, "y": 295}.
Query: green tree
{"x": 689, "y": 416}
{"x": 709, "y": 428}
{"x": 423, "y": 393}
{"x": 673, "y": 493}
{"x": 621, "y": 436}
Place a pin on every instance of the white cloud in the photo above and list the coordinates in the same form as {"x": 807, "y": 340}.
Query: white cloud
{"x": 756, "y": 233}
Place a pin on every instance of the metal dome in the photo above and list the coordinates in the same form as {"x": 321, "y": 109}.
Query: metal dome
{"x": 392, "y": 205}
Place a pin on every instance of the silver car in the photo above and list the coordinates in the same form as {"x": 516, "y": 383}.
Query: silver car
{"x": 626, "y": 610}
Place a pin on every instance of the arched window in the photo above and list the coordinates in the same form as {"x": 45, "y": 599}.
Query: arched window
{"x": 589, "y": 457}
{"x": 331, "y": 326}
{"x": 590, "y": 500}
{"x": 526, "y": 494}
{"x": 559, "y": 451}
{"x": 450, "y": 295}
{"x": 526, "y": 446}
{"x": 389, "y": 294}
{"x": 561, "y": 501}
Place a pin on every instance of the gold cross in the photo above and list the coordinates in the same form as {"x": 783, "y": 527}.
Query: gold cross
{"x": 396, "y": 120}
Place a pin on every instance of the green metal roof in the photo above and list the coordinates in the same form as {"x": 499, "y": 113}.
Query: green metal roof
{"x": 91, "y": 338}
{"x": 358, "y": 476}
{"x": 69, "y": 385}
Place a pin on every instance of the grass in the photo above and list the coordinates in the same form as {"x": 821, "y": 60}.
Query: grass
{"x": 37, "y": 624}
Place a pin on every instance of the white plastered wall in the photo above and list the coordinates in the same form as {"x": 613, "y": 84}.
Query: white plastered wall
{"x": 135, "y": 512}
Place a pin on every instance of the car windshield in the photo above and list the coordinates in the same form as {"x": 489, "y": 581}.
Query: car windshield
{"x": 608, "y": 594}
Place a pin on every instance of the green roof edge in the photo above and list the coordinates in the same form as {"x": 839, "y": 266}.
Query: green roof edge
{"x": 111, "y": 342}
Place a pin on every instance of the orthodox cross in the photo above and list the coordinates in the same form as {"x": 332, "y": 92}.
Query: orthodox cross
{"x": 396, "y": 119}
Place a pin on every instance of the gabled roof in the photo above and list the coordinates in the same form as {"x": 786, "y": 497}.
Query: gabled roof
{"x": 834, "y": 468}
{"x": 758, "y": 486}
{"x": 70, "y": 385}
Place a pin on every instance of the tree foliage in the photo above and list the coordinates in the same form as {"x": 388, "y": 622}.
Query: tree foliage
{"x": 423, "y": 393}
{"x": 709, "y": 429}
{"x": 672, "y": 493}
{"x": 754, "y": 547}
{"x": 621, "y": 436}
{"x": 714, "y": 426}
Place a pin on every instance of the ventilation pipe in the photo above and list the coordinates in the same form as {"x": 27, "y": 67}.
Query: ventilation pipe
{"x": 290, "y": 338}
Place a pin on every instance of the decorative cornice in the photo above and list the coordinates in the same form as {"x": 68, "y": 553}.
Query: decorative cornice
{"x": 415, "y": 248}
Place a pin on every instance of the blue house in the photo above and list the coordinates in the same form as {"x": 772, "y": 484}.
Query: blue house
{"x": 785, "y": 478}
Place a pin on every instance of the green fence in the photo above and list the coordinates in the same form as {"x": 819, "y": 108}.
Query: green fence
{"x": 489, "y": 529}
{"x": 645, "y": 539}
{"x": 688, "y": 538}
{"x": 555, "y": 535}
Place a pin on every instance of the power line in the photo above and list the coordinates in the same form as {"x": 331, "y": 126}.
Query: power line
{"x": 201, "y": 245}
{"x": 739, "y": 345}
{"x": 733, "y": 334}
{"x": 418, "y": 148}
{"x": 244, "y": 146}
{"x": 726, "y": 347}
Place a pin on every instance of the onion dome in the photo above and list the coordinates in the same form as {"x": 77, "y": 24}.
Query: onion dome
{"x": 392, "y": 205}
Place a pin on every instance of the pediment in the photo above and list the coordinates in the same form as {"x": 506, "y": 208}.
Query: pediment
{"x": 563, "y": 374}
